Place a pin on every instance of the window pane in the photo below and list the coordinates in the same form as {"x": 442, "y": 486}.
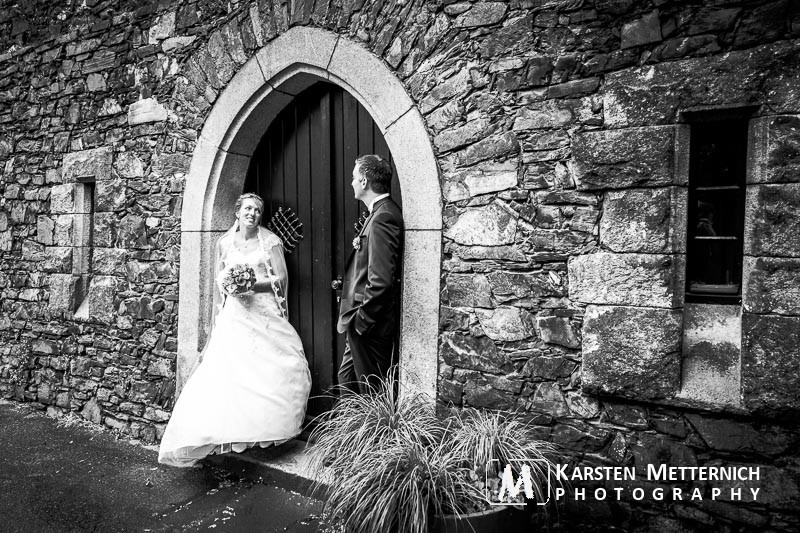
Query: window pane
{"x": 716, "y": 213}
{"x": 718, "y": 153}
{"x": 714, "y": 266}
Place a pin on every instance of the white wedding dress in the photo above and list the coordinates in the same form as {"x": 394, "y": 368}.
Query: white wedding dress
{"x": 252, "y": 385}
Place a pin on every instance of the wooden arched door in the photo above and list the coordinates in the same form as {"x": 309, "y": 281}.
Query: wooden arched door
{"x": 305, "y": 162}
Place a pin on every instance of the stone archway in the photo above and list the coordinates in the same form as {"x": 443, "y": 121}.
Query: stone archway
{"x": 238, "y": 119}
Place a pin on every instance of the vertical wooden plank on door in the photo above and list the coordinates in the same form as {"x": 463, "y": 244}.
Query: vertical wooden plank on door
{"x": 301, "y": 191}
{"x": 352, "y": 207}
{"x": 320, "y": 199}
{"x": 338, "y": 176}
{"x": 289, "y": 196}
{"x": 277, "y": 141}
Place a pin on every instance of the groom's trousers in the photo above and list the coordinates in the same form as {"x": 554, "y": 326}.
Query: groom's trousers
{"x": 366, "y": 358}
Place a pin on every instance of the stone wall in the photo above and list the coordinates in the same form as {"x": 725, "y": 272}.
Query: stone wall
{"x": 559, "y": 136}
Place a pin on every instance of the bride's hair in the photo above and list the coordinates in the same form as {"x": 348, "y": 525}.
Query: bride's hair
{"x": 251, "y": 196}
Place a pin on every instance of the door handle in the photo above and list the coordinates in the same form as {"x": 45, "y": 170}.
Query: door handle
{"x": 337, "y": 284}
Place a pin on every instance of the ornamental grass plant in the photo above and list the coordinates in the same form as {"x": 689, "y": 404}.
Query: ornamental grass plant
{"x": 388, "y": 463}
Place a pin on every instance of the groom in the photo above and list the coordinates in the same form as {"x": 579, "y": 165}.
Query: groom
{"x": 368, "y": 312}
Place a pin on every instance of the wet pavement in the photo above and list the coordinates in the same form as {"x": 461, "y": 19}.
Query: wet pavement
{"x": 65, "y": 475}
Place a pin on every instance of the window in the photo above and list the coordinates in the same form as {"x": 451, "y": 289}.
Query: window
{"x": 84, "y": 244}
{"x": 717, "y": 168}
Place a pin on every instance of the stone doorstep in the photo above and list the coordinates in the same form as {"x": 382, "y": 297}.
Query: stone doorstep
{"x": 286, "y": 466}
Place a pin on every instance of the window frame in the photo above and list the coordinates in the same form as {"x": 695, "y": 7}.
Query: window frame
{"x": 740, "y": 118}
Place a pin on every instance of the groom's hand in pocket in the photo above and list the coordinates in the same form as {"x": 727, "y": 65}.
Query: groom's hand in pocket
{"x": 360, "y": 326}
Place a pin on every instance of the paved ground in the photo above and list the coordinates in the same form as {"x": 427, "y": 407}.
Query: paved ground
{"x": 61, "y": 475}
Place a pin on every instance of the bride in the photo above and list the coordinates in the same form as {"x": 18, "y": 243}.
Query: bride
{"x": 253, "y": 381}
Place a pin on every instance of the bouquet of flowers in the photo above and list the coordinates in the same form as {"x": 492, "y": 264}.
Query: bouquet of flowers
{"x": 237, "y": 280}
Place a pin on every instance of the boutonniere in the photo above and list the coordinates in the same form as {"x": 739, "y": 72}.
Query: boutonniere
{"x": 357, "y": 243}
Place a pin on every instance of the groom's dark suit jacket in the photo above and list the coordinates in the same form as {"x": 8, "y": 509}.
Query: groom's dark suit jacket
{"x": 372, "y": 275}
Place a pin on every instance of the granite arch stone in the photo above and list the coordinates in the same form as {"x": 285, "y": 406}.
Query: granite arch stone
{"x": 241, "y": 114}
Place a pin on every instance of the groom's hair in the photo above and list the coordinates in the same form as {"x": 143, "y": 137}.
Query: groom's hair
{"x": 378, "y": 172}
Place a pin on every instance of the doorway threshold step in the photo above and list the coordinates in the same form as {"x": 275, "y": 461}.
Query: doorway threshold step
{"x": 286, "y": 466}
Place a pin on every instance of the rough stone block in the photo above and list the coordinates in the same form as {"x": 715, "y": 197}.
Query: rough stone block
{"x": 177, "y": 43}
{"x": 491, "y": 225}
{"x": 98, "y": 306}
{"x": 627, "y": 279}
{"x": 94, "y": 163}
{"x": 481, "y": 179}
{"x": 96, "y": 82}
{"x": 507, "y": 323}
{"x": 467, "y": 290}
{"x": 641, "y": 31}
{"x": 45, "y": 347}
{"x": 581, "y": 439}
{"x": 129, "y": 165}
{"x": 109, "y": 261}
{"x": 558, "y": 330}
{"x": 62, "y": 198}
{"x": 63, "y": 234}
{"x": 450, "y": 391}
{"x": 106, "y": 227}
{"x": 6, "y": 240}
{"x": 146, "y": 110}
{"x": 484, "y": 395}
{"x": 57, "y": 259}
{"x": 224, "y": 65}
{"x": 573, "y": 88}
{"x": 232, "y": 38}
{"x": 499, "y": 253}
{"x": 771, "y": 285}
{"x": 62, "y": 292}
{"x": 483, "y": 14}
{"x": 770, "y": 358}
{"x": 131, "y": 232}
{"x": 548, "y": 368}
{"x": 775, "y": 156}
{"x": 32, "y": 250}
{"x": 44, "y": 229}
{"x": 456, "y": 137}
{"x": 629, "y": 98}
{"x": 151, "y": 271}
{"x": 632, "y": 352}
{"x": 162, "y": 28}
{"x": 740, "y": 437}
{"x": 453, "y": 87}
{"x": 549, "y": 399}
{"x": 772, "y": 216}
{"x": 110, "y": 195}
{"x": 546, "y": 115}
{"x": 493, "y": 147}
{"x": 473, "y": 353}
{"x": 613, "y": 159}
{"x": 559, "y": 243}
{"x": 101, "y": 60}
{"x": 509, "y": 286}
{"x": 711, "y": 351}
{"x": 644, "y": 220}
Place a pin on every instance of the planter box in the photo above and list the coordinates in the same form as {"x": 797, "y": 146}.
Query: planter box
{"x": 495, "y": 520}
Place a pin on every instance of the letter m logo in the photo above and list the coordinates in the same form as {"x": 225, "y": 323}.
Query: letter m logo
{"x": 510, "y": 488}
